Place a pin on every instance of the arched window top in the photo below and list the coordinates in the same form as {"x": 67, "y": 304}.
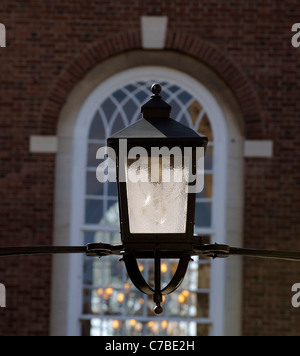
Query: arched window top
{"x": 122, "y": 108}
{"x": 117, "y": 103}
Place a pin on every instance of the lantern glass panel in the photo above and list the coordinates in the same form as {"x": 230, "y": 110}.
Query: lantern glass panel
{"x": 157, "y": 193}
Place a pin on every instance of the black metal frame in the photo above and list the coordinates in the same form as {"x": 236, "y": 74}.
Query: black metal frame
{"x": 148, "y": 242}
{"x": 150, "y": 245}
{"x": 156, "y": 129}
{"x": 138, "y": 280}
{"x": 134, "y": 242}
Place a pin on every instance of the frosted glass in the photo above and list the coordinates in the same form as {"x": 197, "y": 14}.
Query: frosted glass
{"x": 157, "y": 197}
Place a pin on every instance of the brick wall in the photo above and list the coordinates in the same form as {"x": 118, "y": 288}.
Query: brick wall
{"x": 52, "y": 44}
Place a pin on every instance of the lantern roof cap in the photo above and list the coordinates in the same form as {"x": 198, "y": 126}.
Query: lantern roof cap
{"x": 156, "y": 107}
{"x": 157, "y": 124}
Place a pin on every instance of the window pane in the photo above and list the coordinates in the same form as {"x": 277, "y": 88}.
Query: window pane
{"x": 92, "y": 151}
{"x": 118, "y": 124}
{"x": 203, "y": 215}
{"x": 102, "y": 212}
{"x": 142, "y": 96}
{"x": 208, "y": 186}
{"x": 107, "y": 237}
{"x": 93, "y": 211}
{"x": 133, "y": 327}
{"x": 134, "y": 303}
{"x": 93, "y": 186}
{"x": 208, "y": 160}
{"x": 108, "y": 108}
{"x": 195, "y": 110}
{"x": 199, "y": 274}
{"x": 102, "y": 327}
{"x": 175, "y": 108}
{"x": 205, "y": 128}
{"x": 119, "y": 95}
{"x": 111, "y": 216}
{"x": 130, "y": 109}
{"x": 112, "y": 189}
{"x": 102, "y": 274}
{"x": 97, "y": 130}
{"x": 184, "y": 97}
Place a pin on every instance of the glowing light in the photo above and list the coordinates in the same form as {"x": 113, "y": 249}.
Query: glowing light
{"x": 109, "y": 291}
{"x": 121, "y": 297}
{"x": 138, "y": 327}
{"x": 151, "y": 324}
{"x": 141, "y": 268}
{"x": 116, "y": 324}
{"x": 132, "y": 323}
{"x": 181, "y": 298}
{"x": 186, "y": 293}
{"x": 100, "y": 291}
{"x": 164, "y": 268}
{"x": 164, "y": 324}
{"x": 153, "y": 198}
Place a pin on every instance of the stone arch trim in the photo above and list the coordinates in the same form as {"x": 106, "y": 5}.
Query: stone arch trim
{"x": 82, "y": 64}
{"x": 184, "y": 43}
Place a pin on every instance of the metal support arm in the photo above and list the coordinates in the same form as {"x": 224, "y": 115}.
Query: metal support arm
{"x": 130, "y": 259}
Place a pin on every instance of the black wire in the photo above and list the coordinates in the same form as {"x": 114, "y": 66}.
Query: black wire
{"x": 39, "y": 250}
{"x": 281, "y": 255}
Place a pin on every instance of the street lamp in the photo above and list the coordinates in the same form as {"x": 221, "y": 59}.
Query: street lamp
{"x": 158, "y": 176}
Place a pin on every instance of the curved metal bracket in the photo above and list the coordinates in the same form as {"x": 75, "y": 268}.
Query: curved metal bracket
{"x": 101, "y": 250}
{"x": 178, "y": 276}
{"x": 135, "y": 274}
{"x": 212, "y": 250}
{"x": 140, "y": 283}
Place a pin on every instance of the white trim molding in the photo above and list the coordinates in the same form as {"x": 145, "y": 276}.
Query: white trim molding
{"x": 258, "y": 149}
{"x": 154, "y": 31}
{"x": 43, "y": 144}
{"x": 2, "y": 35}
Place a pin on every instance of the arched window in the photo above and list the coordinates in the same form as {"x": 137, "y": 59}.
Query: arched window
{"x": 110, "y": 304}
{"x": 95, "y": 297}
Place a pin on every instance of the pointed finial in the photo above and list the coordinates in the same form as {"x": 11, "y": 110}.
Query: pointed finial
{"x": 156, "y": 90}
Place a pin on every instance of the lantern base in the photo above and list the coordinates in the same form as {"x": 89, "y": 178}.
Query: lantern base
{"x": 140, "y": 283}
{"x": 158, "y": 310}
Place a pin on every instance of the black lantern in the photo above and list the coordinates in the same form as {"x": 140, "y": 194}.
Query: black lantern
{"x": 156, "y": 160}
